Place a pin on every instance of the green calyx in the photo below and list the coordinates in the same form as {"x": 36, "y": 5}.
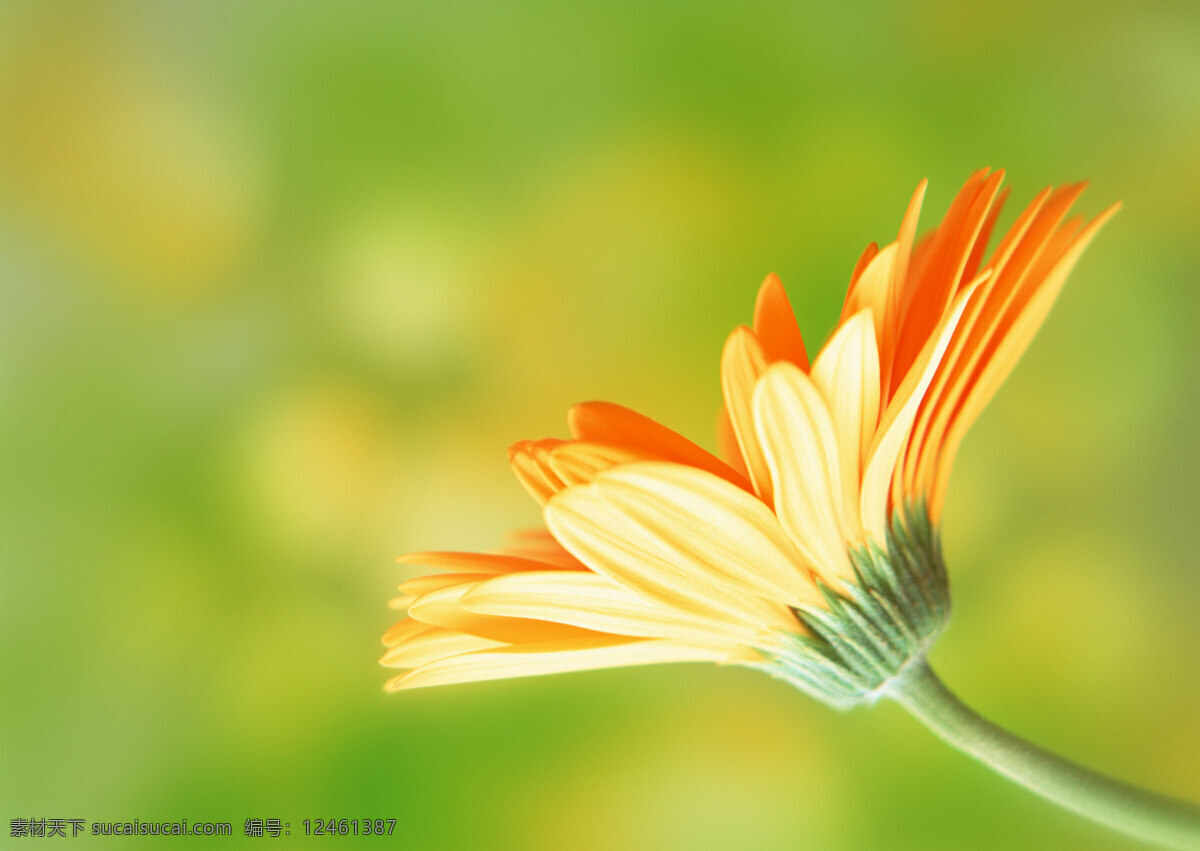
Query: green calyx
{"x": 874, "y": 626}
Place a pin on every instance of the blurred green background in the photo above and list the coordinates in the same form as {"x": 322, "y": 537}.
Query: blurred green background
{"x": 280, "y": 282}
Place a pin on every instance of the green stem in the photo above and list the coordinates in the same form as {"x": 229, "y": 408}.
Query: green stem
{"x": 1137, "y": 812}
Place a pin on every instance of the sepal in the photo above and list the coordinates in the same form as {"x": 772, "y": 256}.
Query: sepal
{"x": 872, "y": 627}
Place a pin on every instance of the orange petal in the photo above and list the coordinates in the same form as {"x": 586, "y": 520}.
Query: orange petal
{"x": 605, "y": 422}
{"x": 897, "y": 420}
{"x": 727, "y": 443}
{"x": 474, "y": 562}
{"x": 1009, "y": 350}
{"x": 775, "y": 324}
{"x": 530, "y": 460}
{"x": 538, "y": 545}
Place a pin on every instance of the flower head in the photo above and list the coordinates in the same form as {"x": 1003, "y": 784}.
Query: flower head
{"x": 811, "y": 550}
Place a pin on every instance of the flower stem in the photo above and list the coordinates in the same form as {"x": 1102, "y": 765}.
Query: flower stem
{"x": 1137, "y": 812}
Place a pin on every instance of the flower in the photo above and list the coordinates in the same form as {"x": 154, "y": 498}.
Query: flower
{"x": 811, "y": 551}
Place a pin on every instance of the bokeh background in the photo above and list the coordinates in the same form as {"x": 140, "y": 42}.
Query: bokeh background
{"x": 280, "y": 282}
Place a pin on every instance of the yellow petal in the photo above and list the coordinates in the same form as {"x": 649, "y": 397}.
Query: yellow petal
{"x": 442, "y": 608}
{"x": 592, "y": 601}
{"x": 847, "y": 373}
{"x": 871, "y": 289}
{"x": 578, "y": 461}
{"x": 721, "y": 531}
{"x": 898, "y": 419}
{"x": 402, "y": 630}
{"x": 617, "y": 545}
{"x": 424, "y": 584}
{"x": 742, "y": 362}
{"x": 433, "y": 644}
{"x": 798, "y": 437}
{"x": 561, "y": 657}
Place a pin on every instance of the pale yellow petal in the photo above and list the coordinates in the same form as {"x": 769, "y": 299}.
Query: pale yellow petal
{"x": 402, "y": 630}
{"x": 424, "y": 584}
{"x": 798, "y": 437}
{"x": 577, "y": 461}
{"x": 871, "y": 289}
{"x": 847, "y": 373}
{"x": 899, "y": 416}
{"x": 442, "y": 608}
{"x": 561, "y": 657}
{"x": 433, "y": 644}
{"x": 618, "y": 546}
{"x": 592, "y": 601}
{"x": 721, "y": 531}
{"x": 742, "y": 362}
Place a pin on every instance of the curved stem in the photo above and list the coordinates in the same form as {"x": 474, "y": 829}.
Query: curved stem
{"x": 1126, "y": 808}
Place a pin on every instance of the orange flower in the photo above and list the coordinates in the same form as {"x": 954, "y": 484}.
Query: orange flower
{"x": 811, "y": 551}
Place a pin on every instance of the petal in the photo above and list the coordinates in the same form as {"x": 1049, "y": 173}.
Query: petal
{"x": 850, "y": 305}
{"x": 742, "y": 362}
{"x": 402, "y": 630}
{"x": 847, "y": 373}
{"x": 424, "y": 584}
{"x": 797, "y": 434}
{"x": 871, "y": 290}
{"x": 530, "y": 460}
{"x": 441, "y": 608}
{"x": 561, "y": 657}
{"x": 538, "y": 545}
{"x": 432, "y": 644}
{"x": 578, "y": 461}
{"x": 617, "y": 544}
{"x": 461, "y": 562}
{"x": 1009, "y": 350}
{"x": 775, "y": 324}
{"x": 722, "y": 531}
{"x": 936, "y": 280}
{"x": 898, "y": 418}
{"x": 595, "y": 602}
{"x": 727, "y": 443}
{"x": 605, "y": 422}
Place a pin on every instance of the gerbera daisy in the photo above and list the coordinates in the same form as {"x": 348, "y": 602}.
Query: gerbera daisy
{"x": 826, "y": 504}
{"x": 810, "y": 550}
